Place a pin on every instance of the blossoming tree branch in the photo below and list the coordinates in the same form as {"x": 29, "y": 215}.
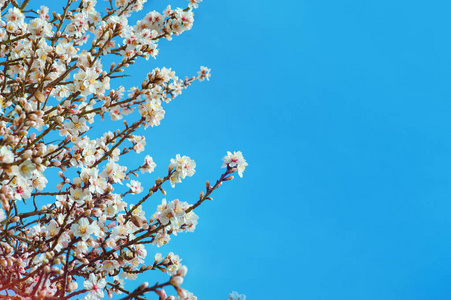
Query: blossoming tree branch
{"x": 80, "y": 237}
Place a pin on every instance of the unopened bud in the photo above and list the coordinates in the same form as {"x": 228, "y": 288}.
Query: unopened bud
{"x": 39, "y": 96}
{"x": 5, "y": 204}
{"x": 231, "y": 170}
{"x": 137, "y": 221}
{"x": 143, "y": 286}
{"x": 182, "y": 293}
{"x": 59, "y": 186}
{"x": 182, "y": 271}
{"x": 27, "y": 154}
{"x": 176, "y": 280}
{"x": 161, "y": 293}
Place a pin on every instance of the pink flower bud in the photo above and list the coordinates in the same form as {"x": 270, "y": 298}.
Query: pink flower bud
{"x": 143, "y": 286}
{"x": 161, "y": 293}
{"x": 182, "y": 293}
{"x": 27, "y": 153}
{"x": 182, "y": 271}
{"x": 176, "y": 280}
{"x": 59, "y": 186}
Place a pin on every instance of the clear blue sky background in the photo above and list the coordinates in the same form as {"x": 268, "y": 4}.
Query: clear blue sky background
{"x": 342, "y": 110}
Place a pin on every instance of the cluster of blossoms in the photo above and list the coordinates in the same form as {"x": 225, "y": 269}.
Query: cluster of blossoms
{"x": 235, "y": 160}
{"x": 90, "y": 226}
{"x": 176, "y": 219}
{"x": 182, "y": 166}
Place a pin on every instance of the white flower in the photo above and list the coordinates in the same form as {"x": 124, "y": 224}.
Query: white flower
{"x": 148, "y": 165}
{"x": 115, "y": 172}
{"x": 81, "y": 247}
{"x": 52, "y": 228}
{"x": 39, "y": 181}
{"x": 121, "y": 231}
{"x": 6, "y": 156}
{"x": 137, "y": 211}
{"x": 135, "y": 187}
{"x": 83, "y": 229}
{"x": 204, "y": 73}
{"x": 111, "y": 243}
{"x": 158, "y": 257}
{"x": 129, "y": 276}
{"x": 235, "y": 160}
{"x": 94, "y": 286}
{"x": 78, "y": 195}
{"x": 183, "y": 165}
{"x": 110, "y": 266}
{"x": 194, "y": 3}
{"x": 175, "y": 178}
{"x": 77, "y": 125}
{"x": 26, "y": 169}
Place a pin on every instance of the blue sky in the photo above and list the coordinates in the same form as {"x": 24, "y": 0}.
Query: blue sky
{"x": 342, "y": 110}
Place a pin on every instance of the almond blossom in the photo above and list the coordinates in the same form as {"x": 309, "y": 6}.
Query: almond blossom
{"x": 235, "y": 160}
{"x": 94, "y": 286}
{"x": 70, "y": 209}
